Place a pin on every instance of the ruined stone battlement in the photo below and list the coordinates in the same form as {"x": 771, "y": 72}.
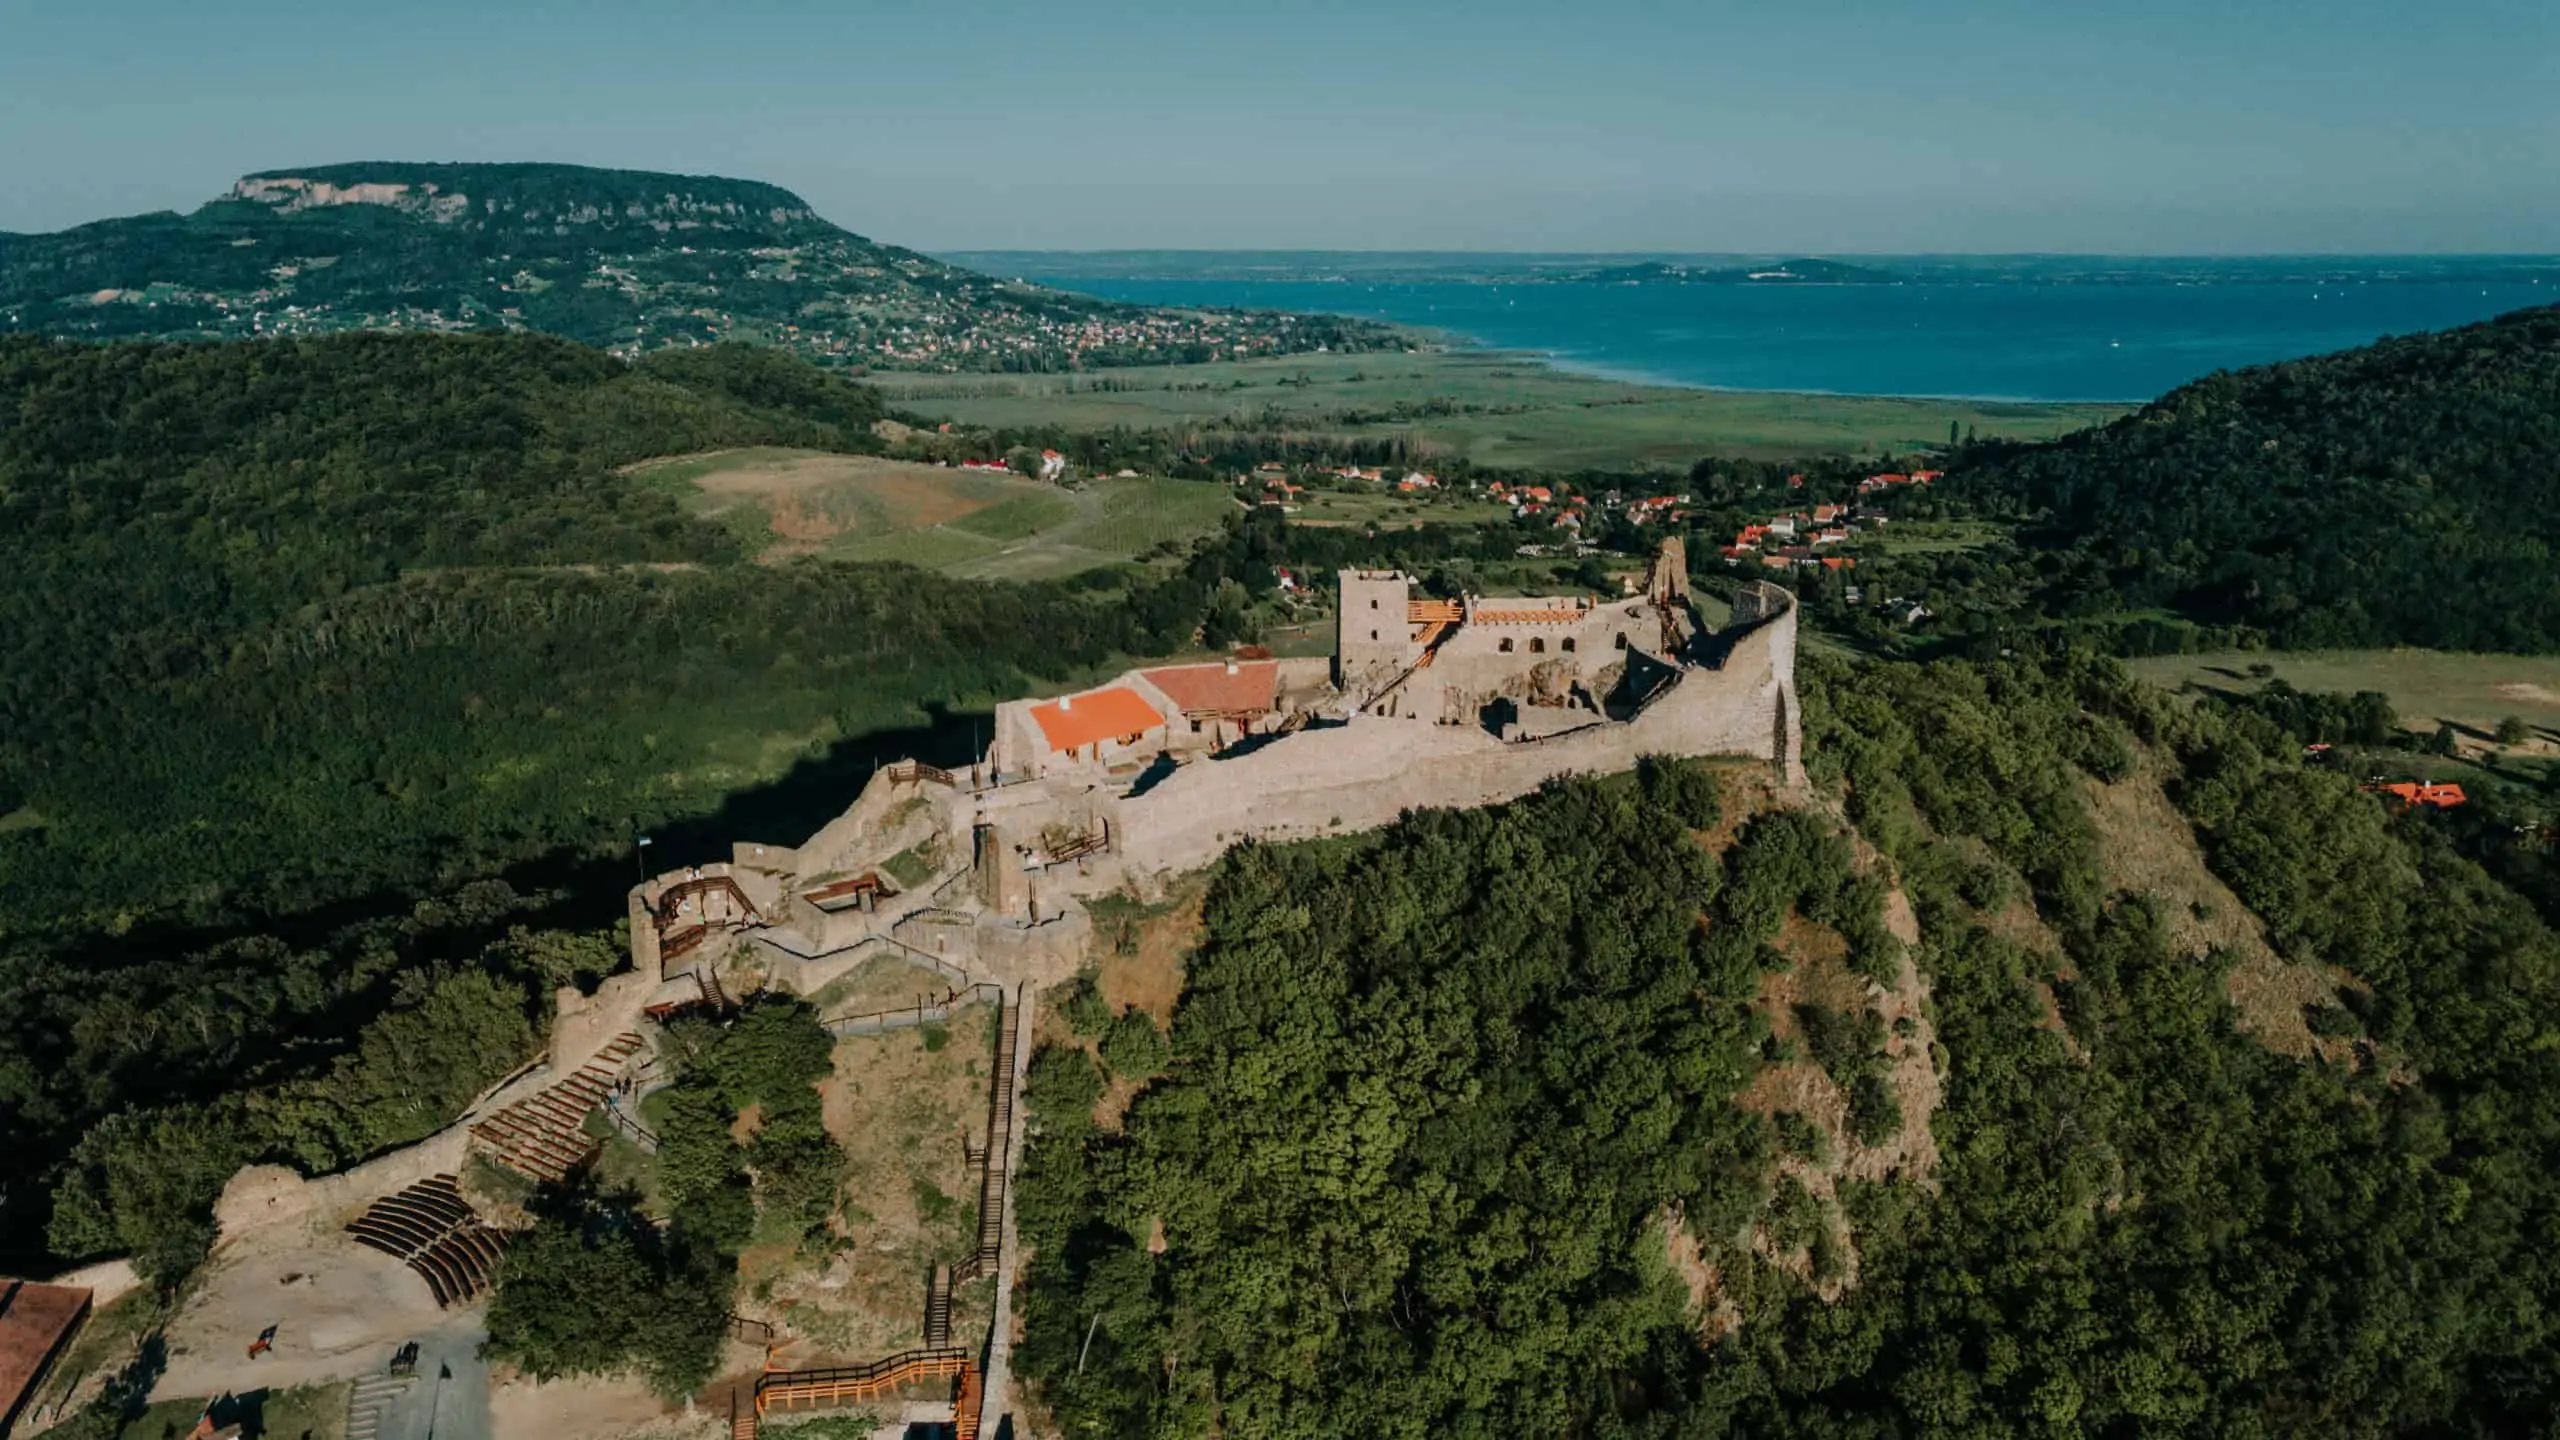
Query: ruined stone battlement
{"x": 1428, "y": 702}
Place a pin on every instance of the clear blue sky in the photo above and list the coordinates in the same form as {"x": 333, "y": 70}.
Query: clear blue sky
{"x": 2182, "y": 126}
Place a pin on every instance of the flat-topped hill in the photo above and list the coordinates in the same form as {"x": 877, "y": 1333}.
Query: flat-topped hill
{"x": 630, "y": 260}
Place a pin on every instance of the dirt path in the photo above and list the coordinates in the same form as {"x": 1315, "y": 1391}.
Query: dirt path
{"x": 340, "y": 1310}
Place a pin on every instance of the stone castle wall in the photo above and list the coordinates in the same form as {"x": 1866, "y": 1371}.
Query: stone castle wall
{"x": 1364, "y": 774}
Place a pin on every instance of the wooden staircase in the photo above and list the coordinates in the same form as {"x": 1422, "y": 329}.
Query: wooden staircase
{"x": 968, "y": 1406}
{"x": 544, "y": 1135}
{"x": 937, "y": 1308}
{"x": 991, "y": 1186}
{"x": 856, "y": 1384}
{"x": 365, "y": 1402}
{"x": 706, "y": 978}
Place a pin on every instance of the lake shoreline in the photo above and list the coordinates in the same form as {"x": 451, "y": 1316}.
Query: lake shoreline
{"x": 2020, "y": 341}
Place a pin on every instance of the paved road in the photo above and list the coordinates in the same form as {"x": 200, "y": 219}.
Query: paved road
{"x": 438, "y": 1407}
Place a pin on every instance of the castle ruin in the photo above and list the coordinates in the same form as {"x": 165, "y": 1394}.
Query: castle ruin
{"x": 1427, "y": 701}
{"x": 975, "y": 875}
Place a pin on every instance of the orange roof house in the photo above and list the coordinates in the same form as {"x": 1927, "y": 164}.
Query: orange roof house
{"x": 1231, "y": 688}
{"x": 1071, "y": 722}
{"x": 2418, "y": 792}
{"x": 2413, "y": 792}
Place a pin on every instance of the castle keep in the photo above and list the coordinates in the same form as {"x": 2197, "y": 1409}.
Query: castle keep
{"x": 1427, "y": 701}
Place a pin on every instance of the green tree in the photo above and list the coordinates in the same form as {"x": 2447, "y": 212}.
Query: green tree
{"x": 592, "y": 1289}
{"x": 1133, "y": 1047}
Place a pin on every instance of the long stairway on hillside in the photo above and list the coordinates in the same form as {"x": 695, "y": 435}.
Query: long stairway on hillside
{"x": 937, "y": 1308}
{"x": 544, "y": 1135}
{"x": 999, "y": 1126}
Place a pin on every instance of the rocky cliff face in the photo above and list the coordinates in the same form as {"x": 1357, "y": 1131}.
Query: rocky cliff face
{"x": 532, "y": 197}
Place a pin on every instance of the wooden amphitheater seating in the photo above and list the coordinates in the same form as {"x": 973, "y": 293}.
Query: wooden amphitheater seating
{"x": 544, "y": 1136}
{"x": 431, "y": 1229}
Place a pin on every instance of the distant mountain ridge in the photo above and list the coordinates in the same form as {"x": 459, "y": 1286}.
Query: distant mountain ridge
{"x": 627, "y": 260}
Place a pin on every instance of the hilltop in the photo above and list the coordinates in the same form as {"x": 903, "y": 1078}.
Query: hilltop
{"x": 628, "y": 260}
{"x": 2397, "y": 494}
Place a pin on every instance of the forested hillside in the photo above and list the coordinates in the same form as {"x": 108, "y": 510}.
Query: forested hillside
{"x": 1432, "y": 1094}
{"x": 2397, "y": 494}
{"x": 626, "y": 259}
{"x": 304, "y": 643}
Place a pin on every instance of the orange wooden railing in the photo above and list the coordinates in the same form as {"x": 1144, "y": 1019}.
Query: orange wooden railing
{"x": 969, "y": 1405}
{"x": 854, "y": 1384}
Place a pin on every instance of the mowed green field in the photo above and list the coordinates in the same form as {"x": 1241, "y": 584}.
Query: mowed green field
{"x": 1496, "y": 409}
{"x": 789, "y": 503}
{"x": 2424, "y": 685}
{"x": 1390, "y": 510}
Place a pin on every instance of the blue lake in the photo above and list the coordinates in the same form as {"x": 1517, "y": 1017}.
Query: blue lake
{"x": 2011, "y": 338}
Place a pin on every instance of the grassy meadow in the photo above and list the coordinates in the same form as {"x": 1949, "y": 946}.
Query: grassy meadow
{"x": 2475, "y": 691}
{"x": 787, "y": 503}
{"x": 1493, "y": 408}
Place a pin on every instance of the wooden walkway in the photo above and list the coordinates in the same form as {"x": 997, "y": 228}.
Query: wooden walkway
{"x": 992, "y": 1181}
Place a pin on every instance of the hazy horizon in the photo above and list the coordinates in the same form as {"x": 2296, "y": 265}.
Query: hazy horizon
{"x": 2178, "y": 127}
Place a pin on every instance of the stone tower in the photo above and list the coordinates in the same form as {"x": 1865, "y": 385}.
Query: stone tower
{"x": 1667, "y": 581}
{"x": 1001, "y": 885}
{"x": 1373, "y": 642}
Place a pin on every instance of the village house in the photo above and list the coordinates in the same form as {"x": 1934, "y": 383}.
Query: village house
{"x": 2414, "y": 793}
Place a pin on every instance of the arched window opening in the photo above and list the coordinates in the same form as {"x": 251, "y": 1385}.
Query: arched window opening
{"x": 1506, "y": 644}
{"x": 1537, "y": 645}
{"x": 1567, "y": 647}
{"x": 1622, "y": 639}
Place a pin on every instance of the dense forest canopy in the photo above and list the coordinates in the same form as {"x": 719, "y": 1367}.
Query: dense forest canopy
{"x": 2395, "y": 494}
{"x": 1432, "y": 1093}
{"x": 304, "y": 643}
